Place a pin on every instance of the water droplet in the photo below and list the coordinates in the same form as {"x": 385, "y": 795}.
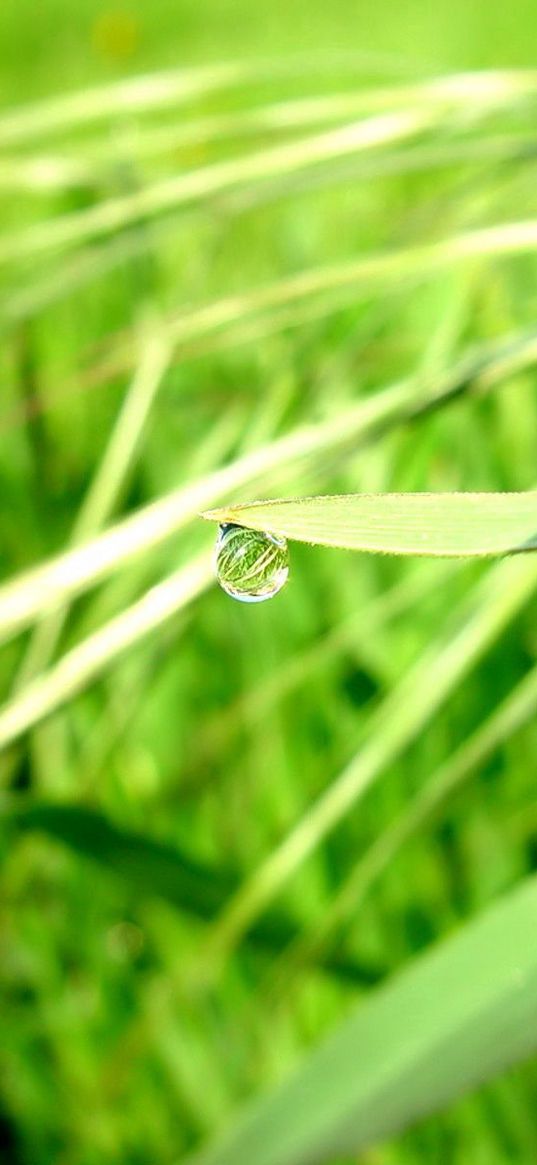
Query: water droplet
{"x": 250, "y": 565}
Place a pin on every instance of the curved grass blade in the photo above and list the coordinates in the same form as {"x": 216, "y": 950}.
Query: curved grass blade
{"x": 441, "y": 524}
{"x": 455, "y": 1018}
{"x": 155, "y": 869}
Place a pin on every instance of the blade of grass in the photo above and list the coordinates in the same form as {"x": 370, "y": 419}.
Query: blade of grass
{"x": 198, "y": 185}
{"x": 46, "y": 172}
{"x": 456, "y": 1017}
{"x": 149, "y": 92}
{"x": 155, "y": 91}
{"x": 448, "y": 525}
{"x": 396, "y": 722}
{"x": 94, "y": 263}
{"x": 42, "y": 588}
{"x": 88, "y": 659}
{"x": 108, "y": 482}
{"x": 301, "y": 113}
{"x": 61, "y": 171}
{"x": 136, "y": 94}
{"x": 486, "y": 93}
{"x": 339, "y": 282}
{"x": 252, "y": 706}
{"x": 512, "y": 714}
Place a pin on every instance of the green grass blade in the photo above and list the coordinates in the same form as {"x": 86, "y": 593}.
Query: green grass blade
{"x": 79, "y": 666}
{"x": 519, "y": 707}
{"x": 148, "y": 93}
{"x": 137, "y": 94}
{"x": 155, "y": 869}
{"x": 442, "y": 524}
{"x": 164, "y": 90}
{"x": 108, "y": 482}
{"x": 42, "y": 588}
{"x": 458, "y": 1016}
{"x": 82, "y": 268}
{"x": 257, "y": 702}
{"x": 197, "y": 186}
{"x": 46, "y": 172}
{"x": 394, "y": 725}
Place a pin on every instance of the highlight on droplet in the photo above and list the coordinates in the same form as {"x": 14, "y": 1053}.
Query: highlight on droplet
{"x": 251, "y": 565}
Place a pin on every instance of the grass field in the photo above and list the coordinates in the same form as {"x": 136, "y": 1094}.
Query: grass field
{"x": 250, "y": 251}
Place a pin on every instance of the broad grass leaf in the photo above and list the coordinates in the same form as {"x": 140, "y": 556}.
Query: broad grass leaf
{"x": 456, "y": 1017}
{"x": 443, "y": 524}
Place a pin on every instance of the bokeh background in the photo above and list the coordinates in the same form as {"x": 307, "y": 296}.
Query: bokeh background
{"x": 161, "y": 199}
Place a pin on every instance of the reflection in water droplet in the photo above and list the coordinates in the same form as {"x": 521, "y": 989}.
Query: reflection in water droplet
{"x": 250, "y": 565}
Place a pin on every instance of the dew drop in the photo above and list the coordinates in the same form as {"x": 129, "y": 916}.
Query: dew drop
{"x": 250, "y": 565}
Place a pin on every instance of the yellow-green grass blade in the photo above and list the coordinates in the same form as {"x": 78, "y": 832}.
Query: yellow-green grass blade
{"x": 46, "y": 172}
{"x": 79, "y": 666}
{"x": 415, "y": 262}
{"x": 199, "y": 185}
{"x": 58, "y": 171}
{"x": 44, "y": 587}
{"x": 133, "y": 95}
{"x": 143, "y": 94}
{"x": 456, "y": 1017}
{"x": 442, "y": 524}
{"x": 334, "y": 285}
{"x": 85, "y": 267}
{"x": 148, "y": 93}
{"x": 109, "y": 479}
{"x": 436, "y": 103}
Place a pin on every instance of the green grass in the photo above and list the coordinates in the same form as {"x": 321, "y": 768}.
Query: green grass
{"x": 306, "y": 267}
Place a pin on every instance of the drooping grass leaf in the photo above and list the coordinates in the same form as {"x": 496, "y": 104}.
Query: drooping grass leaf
{"x": 443, "y": 524}
{"x": 455, "y": 1018}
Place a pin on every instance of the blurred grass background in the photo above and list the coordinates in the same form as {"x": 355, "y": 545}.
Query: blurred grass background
{"x": 165, "y": 776}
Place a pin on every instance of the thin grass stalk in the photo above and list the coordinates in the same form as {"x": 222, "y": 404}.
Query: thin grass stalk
{"x": 108, "y": 482}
